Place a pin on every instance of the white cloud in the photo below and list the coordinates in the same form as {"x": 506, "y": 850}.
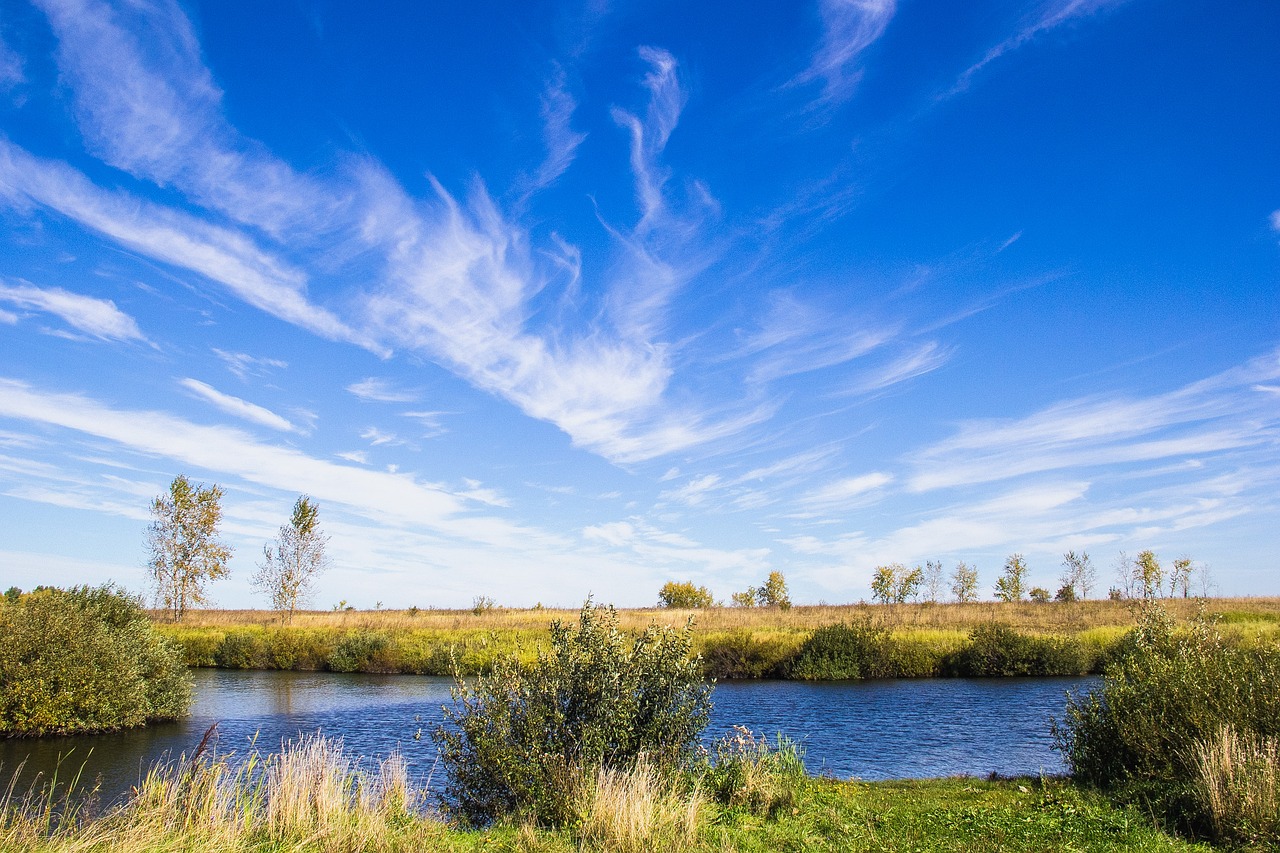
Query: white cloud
{"x": 924, "y": 359}
{"x": 693, "y": 492}
{"x": 99, "y": 318}
{"x": 236, "y": 407}
{"x": 560, "y": 138}
{"x": 372, "y": 389}
{"x": 1275, "y": 220}
{"x": 175, "y": 238}
{"x": 1207, "y": 417}
{"x": 378, "y": 438}
{"x": 243, "y": 365}
{"x": 845, "y": 490}
{"x": 1054, "y": 14}
{"x": 849, "y": 28}
{"x": 11, "y": 67}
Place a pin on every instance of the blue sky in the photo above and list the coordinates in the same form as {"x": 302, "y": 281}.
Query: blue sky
{"x": 584, "y": 297}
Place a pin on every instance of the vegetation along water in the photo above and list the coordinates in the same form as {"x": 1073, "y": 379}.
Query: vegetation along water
{"x": 1181, "y": 737}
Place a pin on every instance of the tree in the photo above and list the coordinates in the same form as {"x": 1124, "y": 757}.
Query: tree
{"x": 774, "y": 592}
{"x": 185, "y": 552}
{"x": 964, "y": 582}
{"x": 746, "y": 598}
{"x": 684, "y": 596}
{"x": 883, "y": 584}
{"x": 1039, "y": 595}
{"x": 1078, "y": 573}
{"x": 933, "y": 580}
{"x": 1180, "y": 576}
{"x": 895, "y": 583}
{"x": 1012, "y": 583}
{"x": 288, "y": 571}
{"x": 1148, "y": 574}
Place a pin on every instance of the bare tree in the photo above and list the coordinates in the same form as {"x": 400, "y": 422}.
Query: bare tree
{"x": 933, "y": 580}
{"x": 1180, "y": 576}
{"x": 288, "y": 571}
{"x": 184, "y": 550}
{"x": 1123, "y": 568}
{"x": 1078, "y": 573}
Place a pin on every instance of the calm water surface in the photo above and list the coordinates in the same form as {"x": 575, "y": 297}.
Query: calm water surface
{"x": 870, "y": 730}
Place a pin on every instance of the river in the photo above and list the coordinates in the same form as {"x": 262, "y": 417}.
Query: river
{"x": 869, "y": 730}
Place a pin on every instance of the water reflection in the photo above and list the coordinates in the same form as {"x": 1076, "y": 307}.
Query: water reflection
{"x": 872, "y": 730}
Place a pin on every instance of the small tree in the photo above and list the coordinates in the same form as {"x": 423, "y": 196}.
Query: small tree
{"x": 1039, "y": 595}
{"x": 684, "y": 596}
{"x": 1148, "y": 574}
{"x": 933, "y": 580}
{"x": 895, "y": 583}
{"x": 964, "y": 582}
{"x": 1078, "y": 573}
{"x": 185, "y": 552}
{"x": 1180, "y": 576}
{"x": 1011, "y": 585}
{"x": 774, "y": 592}
{"x": 746, "y": 598}
{"x": 288, "y": 572}
{"x": 883, "y": 584}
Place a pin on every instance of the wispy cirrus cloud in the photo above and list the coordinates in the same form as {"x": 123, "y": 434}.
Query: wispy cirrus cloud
{"x": 1215, "y": 415}
{"x": 237, "y": 407}
{"x": 147, "y": 104}
{"x": 220, "y": 254}
{"x": 373, "y": 389}
{"x": 242, "y": 365}
{"x": 849, "y": 28}
{"x": 98, "y": 318}
{"x": 925, "y": 358}
{"x": 558, "y": 136}
{"x": 1053, "y": 14}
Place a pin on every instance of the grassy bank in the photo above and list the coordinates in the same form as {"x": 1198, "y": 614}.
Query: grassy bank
{"x": 912, "y": 640}
{"x": 315, "y": 798}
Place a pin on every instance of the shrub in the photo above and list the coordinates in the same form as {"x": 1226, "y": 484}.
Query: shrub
{"x": 242, "y": 649}
{"x": 684, "y": 596}
{"x": 996, "y": 649}
{"x": 515, "y": 742}
{"x": 85, "y": 660}
{"x": 844, "y": 651}
{"x": 1166, "y": 693}
{"x": 359, "y": 651}
{"x": 741, "y": 654}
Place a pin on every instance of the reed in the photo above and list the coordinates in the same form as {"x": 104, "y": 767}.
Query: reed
{"x": 1239, "y": 787}
{"x": 637, "y": 810}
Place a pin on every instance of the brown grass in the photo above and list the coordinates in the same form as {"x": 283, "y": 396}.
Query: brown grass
{"x": 1239, "y": 785}
{"x": 1055, "y": 617}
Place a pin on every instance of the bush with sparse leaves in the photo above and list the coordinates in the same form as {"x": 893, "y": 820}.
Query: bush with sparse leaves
{"x": 515, "y": 742}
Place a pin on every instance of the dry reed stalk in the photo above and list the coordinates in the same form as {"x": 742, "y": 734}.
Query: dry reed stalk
{"x": 1239, "y": 784}
{"x": 637, "y": 811}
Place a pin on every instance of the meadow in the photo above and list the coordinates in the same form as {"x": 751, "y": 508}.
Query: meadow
{"x": 910, "y": 640}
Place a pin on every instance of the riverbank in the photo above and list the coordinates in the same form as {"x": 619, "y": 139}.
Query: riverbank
{"x": 908, "y": 641}
{"x": 819, "y": 814}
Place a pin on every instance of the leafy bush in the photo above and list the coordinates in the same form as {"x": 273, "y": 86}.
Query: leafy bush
{"x": 85, "y": 660}
{"x": 1167, "y": 693}
{"x": 996, "y": 649}
{"x": 360, "y": 651}
{"x": 844, "y": 651}
{"x": 742, "y": 654}
{"x": 515, "y": 742}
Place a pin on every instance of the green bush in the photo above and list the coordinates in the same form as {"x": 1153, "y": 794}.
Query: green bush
{"x": 746, "y": 772}
{"x": 1166, "y": 693}
{"x": 360, "y": 651}
{"x": 515, "y": 742}
{"x": 862, "y": 649}
{"x": 85, "y": 660}
{"x": 242, "y": 649}
{"x": 996, "y": 649}
{"x": 741, "y": 654}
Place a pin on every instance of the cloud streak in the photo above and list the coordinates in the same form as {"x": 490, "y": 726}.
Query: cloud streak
{"x": 236, "y": 407}
{"x": 98, "y": 318}
{"x": 849, "y": 28}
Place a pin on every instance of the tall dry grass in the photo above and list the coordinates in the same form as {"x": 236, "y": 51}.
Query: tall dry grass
{"x": 311, "y": 795}
{"x": 1055, "y": 617}
{"x": 637, "y": 810}
{"x": 1239, "y": 787}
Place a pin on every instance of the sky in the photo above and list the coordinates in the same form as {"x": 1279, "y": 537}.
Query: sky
{"x": 545, "y": 300}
